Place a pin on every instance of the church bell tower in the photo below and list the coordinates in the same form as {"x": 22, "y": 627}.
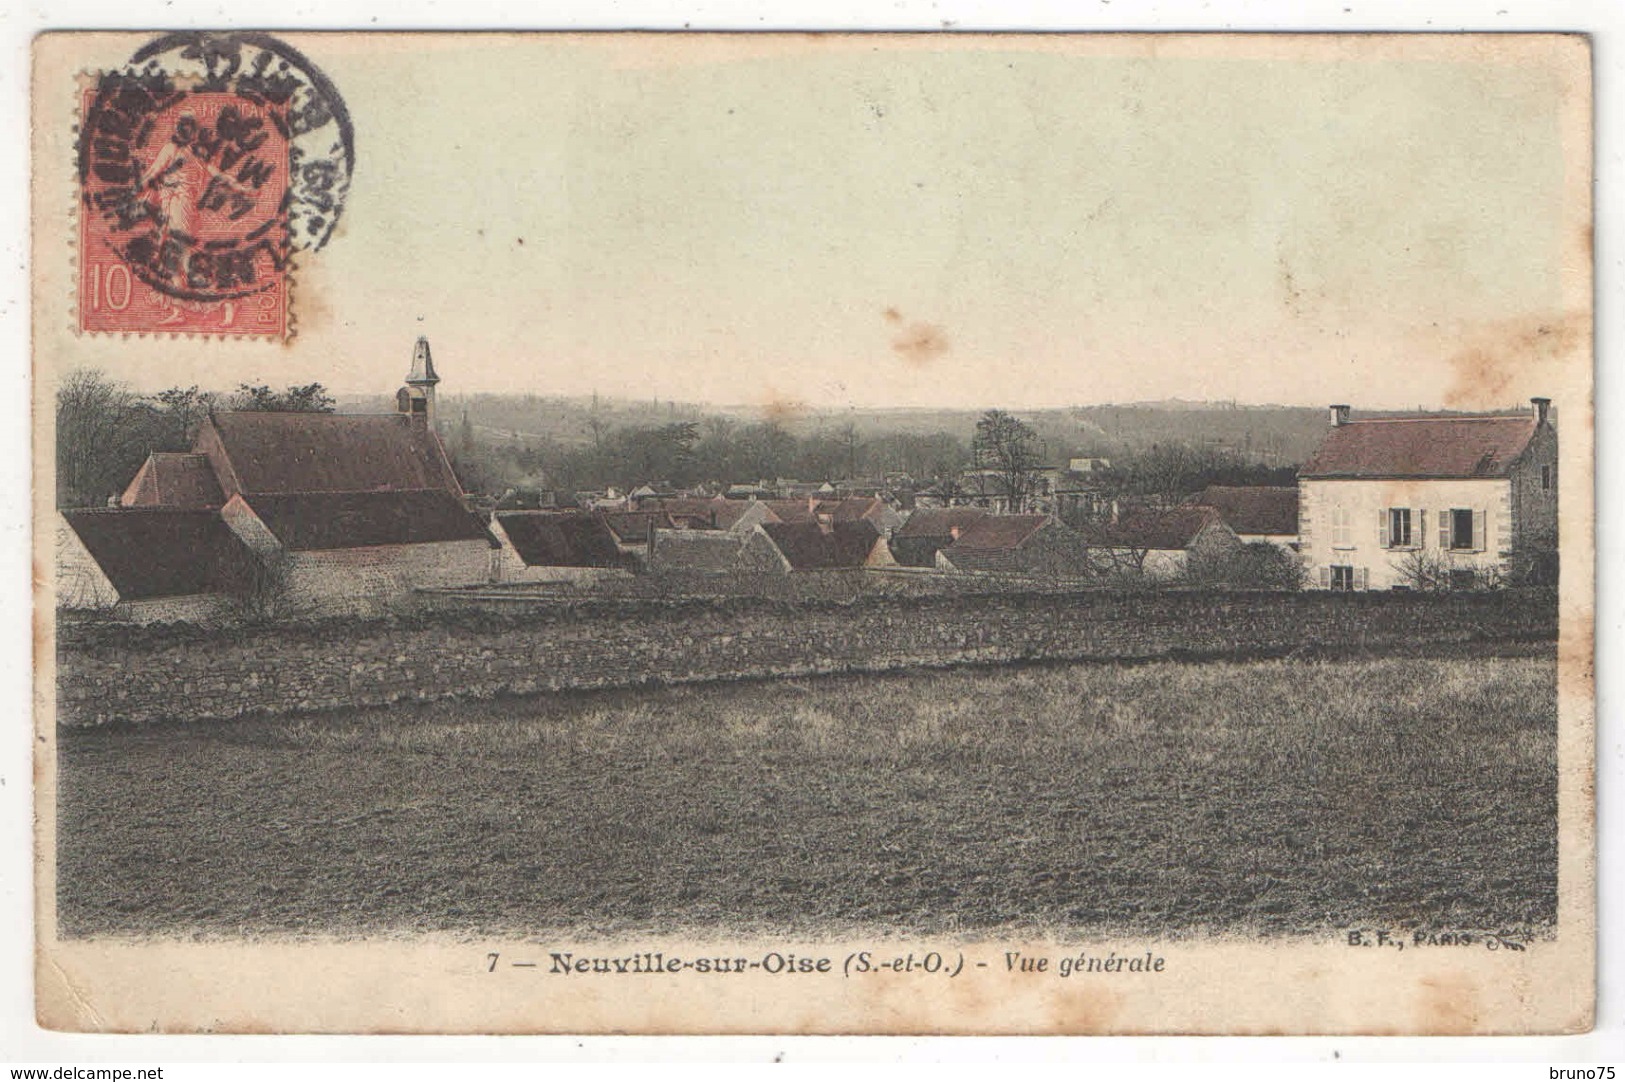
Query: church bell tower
{"x": 417, "y": 397}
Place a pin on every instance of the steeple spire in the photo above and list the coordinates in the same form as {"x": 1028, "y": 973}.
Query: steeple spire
{"x": 422, "y": 366}
{"x": 417, "y": 397}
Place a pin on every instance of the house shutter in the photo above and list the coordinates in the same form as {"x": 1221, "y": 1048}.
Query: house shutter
{"x": 1360, "y": 578}
{"x": 1444, "y": 529}
{"x": 1325, "y": 578}
{"x": 1382, "y": 527}
{"x": 1480, "y": 541}
{"x": 1421, "y": 534}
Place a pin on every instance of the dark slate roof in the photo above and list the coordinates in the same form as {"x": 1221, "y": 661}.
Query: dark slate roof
{"x": 809, "y": 547}
{"x": 562, "y": 538}
{"x": 1253, "y": 509}
{"x": 1422, "y": 447}
{"x": 634, "y": 527}
{"x": 1153, "y": 528}
{"x": 151, "y": 552}
{"x": 174, "y": 480}
{"x": 999, "y": 532}
{"x": 311, "y": 521}
{"x": 325, "y": 452}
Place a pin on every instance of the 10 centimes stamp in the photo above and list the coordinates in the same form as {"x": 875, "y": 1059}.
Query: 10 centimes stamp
{"x": 205, "y": 164}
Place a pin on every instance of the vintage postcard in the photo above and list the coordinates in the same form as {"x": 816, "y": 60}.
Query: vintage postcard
{"x": 813, "y": 533}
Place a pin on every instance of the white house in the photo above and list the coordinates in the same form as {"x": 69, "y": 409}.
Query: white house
{"x": 1423, "y": 501}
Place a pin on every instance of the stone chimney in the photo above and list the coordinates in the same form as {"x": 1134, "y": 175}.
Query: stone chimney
{"x": 1340, "y": 416}
{"x": 1543, "y": 409}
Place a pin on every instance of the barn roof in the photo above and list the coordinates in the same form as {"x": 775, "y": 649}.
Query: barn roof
{"x": 562, "y": 538}
{"x": 634, "y": 527}
{"x": 1154, "y": 528}
{"x": 939, "y": 522}
{"x": 313, "y": 521}
{"x": 1253, "y": 509}
{"x": 264, "y": 452}
{"x": 706, "y": 551}
{"x": 174, "y": 480}
{"x": 1422, "y": 446}
{"x": 999, "y": 532}
{"x": 716, "y": 513}
{"x": 808, "y": 546}
{"x": 849, "y": 509}
{"x": 151, "y": 552}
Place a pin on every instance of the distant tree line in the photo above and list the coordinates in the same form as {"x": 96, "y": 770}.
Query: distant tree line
{"x": 105, "y": 431}
{"x": 687, "y": 453}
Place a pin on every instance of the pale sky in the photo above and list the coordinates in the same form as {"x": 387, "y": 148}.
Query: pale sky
{"x": 904, "y": 221}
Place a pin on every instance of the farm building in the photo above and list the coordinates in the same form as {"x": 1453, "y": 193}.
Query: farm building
{"x": 872, "y": 509}
{"x": 1255, "y": 513}
{"x": 1033, "y": 545}
{"x": 787, "y": 547}
{"x": 928, "y": 531}
{"x": 151, "y": 565}
{"x": 1421, "y": 501}
{"x": 738, "y": 517}
{"x": 696, "y": 552}
{"x": 343, "y": 512}
{"x": 1160, "y": 543}
{"x": 559, "y": 546}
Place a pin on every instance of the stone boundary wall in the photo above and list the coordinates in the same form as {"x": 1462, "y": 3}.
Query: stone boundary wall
{"x": 123, "y": 674}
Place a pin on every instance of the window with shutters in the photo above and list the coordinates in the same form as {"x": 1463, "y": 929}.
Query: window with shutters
{"x": 1342, "y": 529}
{"x": 1460, "y": 530}
{"x": 1398, "y": 533}
{"x": 1342, "y": 577}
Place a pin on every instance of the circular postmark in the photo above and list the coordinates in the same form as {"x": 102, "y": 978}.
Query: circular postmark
{"x": 208, "y": 159}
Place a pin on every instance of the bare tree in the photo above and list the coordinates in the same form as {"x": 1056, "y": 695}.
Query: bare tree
{"x": 1419, "y": 569}
{"x": 1005, "y": 445}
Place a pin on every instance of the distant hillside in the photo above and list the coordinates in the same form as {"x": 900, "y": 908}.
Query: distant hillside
{"x": 1272, "y": 435}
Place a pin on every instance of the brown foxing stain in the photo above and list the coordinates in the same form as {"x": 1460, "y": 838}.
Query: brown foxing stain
{"x": 1497, "y": 363}
{"x": 892, "y": 315}
{"x": 1085, "y": 1011}
{"x": 920, "y": 343}
{"x": 780, "y": 410}
{"x": 1447, "y": 1005}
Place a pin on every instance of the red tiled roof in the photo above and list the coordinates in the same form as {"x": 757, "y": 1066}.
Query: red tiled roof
{"x": 255, "y": 453}
{"x": 1152, "y": 528}
{"x": 174, "y": 480}
{"x": 850, "y": 509}
{"x": 149, "y": 552}
{"x": 809, "y": 547}
{"x": 310, "y": 521}
{"x": 1422, "y": 447}
{"x": 939, "y": 522}
{"x": 562, "y": 538}
{"x": 999, "y": 532}
{"x": 1253, "y": 509}
{"x": 709, "y": 551}
{"x": 717, "y": 514}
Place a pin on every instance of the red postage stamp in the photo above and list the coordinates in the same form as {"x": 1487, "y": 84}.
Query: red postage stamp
{"x": 204, "y": 165}
{"x": 183, "y": 226}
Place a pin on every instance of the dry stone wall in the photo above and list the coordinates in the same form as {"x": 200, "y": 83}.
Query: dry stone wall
{"x": 109, "y": 674}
